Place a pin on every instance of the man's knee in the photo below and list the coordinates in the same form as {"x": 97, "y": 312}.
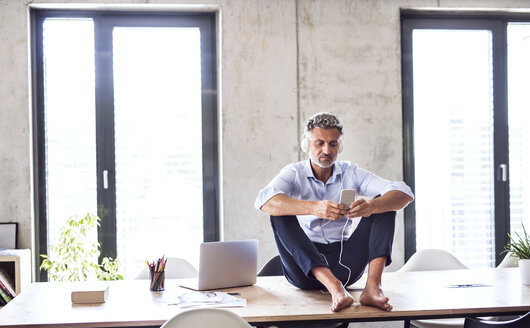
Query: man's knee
{"x": 385, "y": 220}
{"x": 385, "y": 215}
{"x": 282, "y": 219}
{"x": 284, "y": 224}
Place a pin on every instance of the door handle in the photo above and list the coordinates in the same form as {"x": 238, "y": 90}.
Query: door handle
{"x": 503, "y": 172}
{"x": 105, "y": 179}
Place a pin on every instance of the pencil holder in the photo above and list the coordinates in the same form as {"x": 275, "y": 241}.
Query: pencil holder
{"x": 157, "y": 280}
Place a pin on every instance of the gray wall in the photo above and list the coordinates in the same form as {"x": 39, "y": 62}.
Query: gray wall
{"x": 281, "y": 61}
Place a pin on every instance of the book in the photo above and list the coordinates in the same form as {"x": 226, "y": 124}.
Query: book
{"x": 4, "y": 296}
{"x": 90, "y": 293}
{"x": 2, "y": 302}
{"x": 7, "y": 282}
{"x": 5, "y": 290}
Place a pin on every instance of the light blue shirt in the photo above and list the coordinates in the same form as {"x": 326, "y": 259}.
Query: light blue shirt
{"x": 297, "y": 181}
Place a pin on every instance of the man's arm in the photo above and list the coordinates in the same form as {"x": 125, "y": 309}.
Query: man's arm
{"x": 282, "y": 204}
{"x": 393, "y": 200}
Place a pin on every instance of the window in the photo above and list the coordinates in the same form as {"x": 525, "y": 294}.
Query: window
{"x": 464, "y": 105}
{"x": 126, "y": 127}
{"x": 518, "y": 133}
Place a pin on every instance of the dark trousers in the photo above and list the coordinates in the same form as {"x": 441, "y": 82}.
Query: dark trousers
{"x": 373, "y": 238}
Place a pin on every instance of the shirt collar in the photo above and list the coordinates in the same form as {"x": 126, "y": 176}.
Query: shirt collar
{"x": 308, "y": 171}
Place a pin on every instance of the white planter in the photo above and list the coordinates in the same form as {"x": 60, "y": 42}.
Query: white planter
{"x": 524, "y": 267}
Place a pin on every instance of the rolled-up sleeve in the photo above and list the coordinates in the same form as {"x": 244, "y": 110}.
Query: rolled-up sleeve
{"x": 283, "y": 183}
{"x": 398, "y": 185}
{"x": 373, "y": 185}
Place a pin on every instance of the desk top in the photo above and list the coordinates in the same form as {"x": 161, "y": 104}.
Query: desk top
{"x": 413, "y": 295}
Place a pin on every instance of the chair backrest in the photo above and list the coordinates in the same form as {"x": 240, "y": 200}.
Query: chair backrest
{"x": 176, "y": 268}
{"x": 521, "y": 322}
{"x": 273, "y": 267}
{"x": 432, "y": 259}
{"x": 509, "y": 261}
{"x": 206, "y": 318}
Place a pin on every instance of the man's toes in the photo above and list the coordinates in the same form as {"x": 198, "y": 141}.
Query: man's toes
{"x": 387, "y": 307}
{"x": 341, "y": 301}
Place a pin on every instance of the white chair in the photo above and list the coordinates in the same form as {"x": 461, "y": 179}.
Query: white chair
{"x": 176, "y": 268}
{"x": 520, "y": 322}
{"x": 206, "y": 318}
{"x": 432, "y": 259}
{"x": 428, "y": 260}
{"x": 509, "y": 261}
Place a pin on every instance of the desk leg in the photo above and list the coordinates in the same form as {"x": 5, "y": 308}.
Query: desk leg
{"x": 406, "y": 324}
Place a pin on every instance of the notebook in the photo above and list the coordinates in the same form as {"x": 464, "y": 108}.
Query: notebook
{"x": 225, "y": 264}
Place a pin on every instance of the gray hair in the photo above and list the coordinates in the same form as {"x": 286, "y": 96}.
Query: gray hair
{"x": 323, "y": 120}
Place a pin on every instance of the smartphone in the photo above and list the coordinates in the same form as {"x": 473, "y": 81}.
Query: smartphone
{"x": 347, "y": 196}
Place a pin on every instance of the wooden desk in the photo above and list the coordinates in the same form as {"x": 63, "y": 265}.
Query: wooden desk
{"x": 414, "y": 295}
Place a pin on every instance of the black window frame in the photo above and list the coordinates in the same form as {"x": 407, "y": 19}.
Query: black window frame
{"x": 497, "y": 22}
{"x": 104, "y": 21}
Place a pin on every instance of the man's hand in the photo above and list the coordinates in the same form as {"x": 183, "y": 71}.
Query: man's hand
{"x": 361, "y": 207}
{"x": 327, "y": 209}
{"x": 393, "y": 200}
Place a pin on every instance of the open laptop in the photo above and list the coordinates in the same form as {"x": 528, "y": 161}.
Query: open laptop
{"x": 225, "y": 264}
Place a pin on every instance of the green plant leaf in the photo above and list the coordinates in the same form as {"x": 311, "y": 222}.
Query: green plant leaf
{"x": 519, "y": 245}
{"x": 74, "y": 257}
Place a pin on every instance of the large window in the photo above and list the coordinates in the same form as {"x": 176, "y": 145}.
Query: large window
{"x": 464, "y": 98}
{"x": 126, "y": 127}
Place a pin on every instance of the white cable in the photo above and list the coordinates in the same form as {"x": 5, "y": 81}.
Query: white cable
{"x": 340, "y": 255}
{"x": 341, "y": 248}
{"x": 323, "y": 225}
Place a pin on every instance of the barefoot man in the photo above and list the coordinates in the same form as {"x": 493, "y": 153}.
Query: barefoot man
{"x": 322, "y": 243}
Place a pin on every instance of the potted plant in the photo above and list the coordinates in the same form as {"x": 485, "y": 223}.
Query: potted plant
{"x": 75, "y": 256}
{"x": 520, "y": 247}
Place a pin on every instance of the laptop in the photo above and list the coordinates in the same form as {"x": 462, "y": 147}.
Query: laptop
{"x": 225, "y": 264}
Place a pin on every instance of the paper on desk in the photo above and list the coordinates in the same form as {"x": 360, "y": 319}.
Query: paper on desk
{"x": 467, "y": 285}
{"x": 192, "y": 299}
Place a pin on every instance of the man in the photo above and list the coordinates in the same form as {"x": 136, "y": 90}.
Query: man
{"x": 321, "y": 242}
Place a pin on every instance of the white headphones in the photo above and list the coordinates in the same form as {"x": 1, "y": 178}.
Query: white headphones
{"x": 304, "y": 143}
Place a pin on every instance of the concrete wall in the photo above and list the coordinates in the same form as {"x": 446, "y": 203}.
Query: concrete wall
{"x": 282, "y": 60}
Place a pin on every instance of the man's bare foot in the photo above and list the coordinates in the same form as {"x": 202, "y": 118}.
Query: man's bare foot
{"x": 372, "y": 295}
{"x": 340, "y": 298}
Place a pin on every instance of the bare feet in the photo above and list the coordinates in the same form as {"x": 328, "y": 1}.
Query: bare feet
{"x": 340, "y": 298}
{"x": 372, "y": 295}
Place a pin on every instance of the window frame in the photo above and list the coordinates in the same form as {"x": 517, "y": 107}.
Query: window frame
{"x": 497, "y": 22}
{"x": 104, "y": 21}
